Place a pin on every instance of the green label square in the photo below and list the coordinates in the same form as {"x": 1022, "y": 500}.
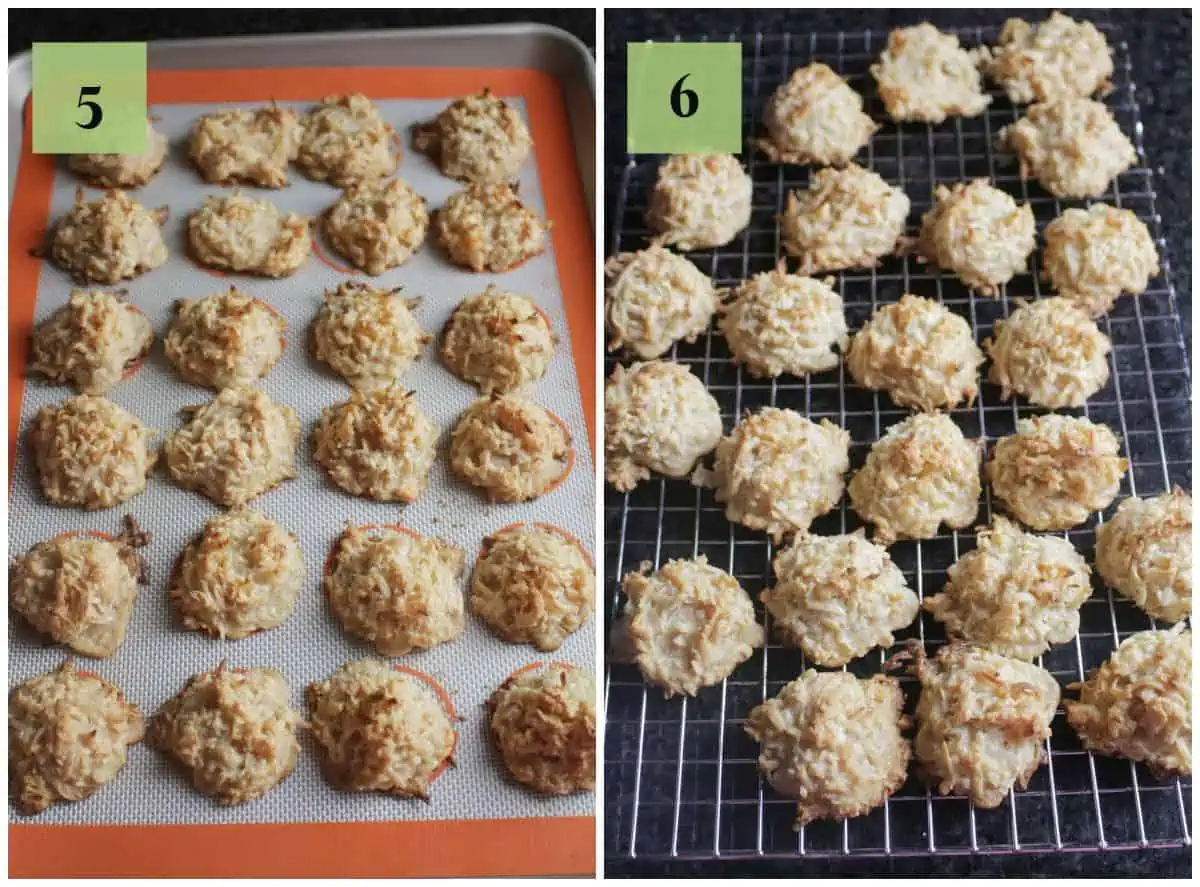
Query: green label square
{"x": 684, "y": 98}
{"x": 89, "y": 98}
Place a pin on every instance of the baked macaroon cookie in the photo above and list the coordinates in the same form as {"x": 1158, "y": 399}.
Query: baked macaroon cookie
{"x": 92, "y": 342}
{"x": 1050, "y": 352}
{"x": 778, "y": 471}
{"x": 510, "y": 448}
{"x": 918, "y": 351}
{"x": 925, "y": 76}
{"x": 658, "y": 417}
{"x": 239, "y": 576}
{"x": 778, "y": 323}
{"x": 920, "y": 475}
{"x": 1058, "y": 58}
{"x": 377, "y": 225}
{"x": 1073, "y": 147}
{"x": 1015, "y": 593}
{"x": 378, "y": 444}
{"x": 834, "y": 742}
{"x": 543, "y": 723}
{"x": 815, "y": 117}
{"x": 700, "y": 201}
{"x": 249, "y": 235}
{"x": 498, "y": 341}
{"x": 368, "y": 336}
{"x": 838, "y": 597}
{"x": 344, "y": 141}
{"x": 122, "y": 170}
{"x": 380, "y": 730}
{"x": 689, "y": 624}
{"x": 78, "y": 589}
{"x": 533, "y": 585}
{"x": 847, "y": 218}
{"x": 235, "y": 447}
{"x": 478, "y": 138}
{"x": 1138, "y": 704}
{"x": 110, "y": 239}
{"x": 232, "y": 731}
{"x": 1056, "y": 470}
{"x": 69, "y": 734}
{"x": 1145, "y": 553}
{"x": 246, "y": 147}
{"x": 1094, "y": 255}
{"x": 224, "y": 340}
{"x": 654, "y": 298}
{"x": 90, "y": 453}
{"x": 486, "y": 227}
{"x": 979, "y": 234}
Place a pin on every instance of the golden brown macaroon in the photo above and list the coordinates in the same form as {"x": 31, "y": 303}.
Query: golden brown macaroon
{"x": 246, "y": 147}
{"x": 815, "y": 117}
{"x": 92, "y": 342}
{"x": 478, "y": 138}
{"x": 235, "y": 232}
{"x": 1057, "y": 58}
{"x": 654, "y": 298}
{"x": 486, "y": 227}
{"x": 110, "y": 239}
{"x": 122, "y": 170}
{"x": 344, "y": 140}
{"x": 700, "y": 201}
{"x": 498, "y": 341}
{"x": 1095, "y": 255}
{"x": 377, "y": 225}
{"x": 1145, "y": 553}
{"x": 224, "y": 340}
{"x": 925, "y": 75}
{"x": 368, "y": 336}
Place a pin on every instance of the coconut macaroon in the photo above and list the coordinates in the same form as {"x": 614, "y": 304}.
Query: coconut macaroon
{"x": 543, "y": 724}
{"x": 92, "y": 342}
{"x": 239, "y": 576}
{"x": 510, "y": 448}
{"x": 1056, "y": 470}
{"x": 90, "y": 453}
{"x": 378, "y": 444}
{"x": 1094, "y": 255}
{"x": 110, "y": 239}
{"x": 235, "y": 447}
{"x": 224, "y": 340}
{"x": 1138, "y": 704}
{"x": 834, "y": 742}
{"x": 498, "y": 341}
{"x": 838, "y": 597}
{"x": 1050, "y": 352}
{"x": 1145, "y": 553}
{"x": 244, "y": 147}
{"x": 1015, "y": 593}
{"x": 1073, "y": 147}
{"x": 122, "y": 170}
{"x": 778, "y": 471}
{"x": 918, "y": 351}
{"x": 232, "y": 731}
{"x": 921, "y": 474}
{"x": 249, "y": 235}
{"x": 778, "y": 323}
{"x": 1059, "y": 58}
{"x": 979, "y": 234}
{"x": 533, "y": 585}
{"x": 486, "y": 227}
{"x": 377, "y": 225}
{"x": 346, "y": 141}
{"x": 478, "y": 138}
{"x": 815, "y": 117}
{"x": 69, "y": 734}
{"x": 380, "y": 729}
{"x": 689, "y": 624}
{"x": 658, "y": 417}
{"x": 369, "y": 336}
{"x": 848, "y": 218}
{"x": 79, "y": 589}
{"x": 653, "y": 299}
{"x": 925, "y": 75}
{"x": 700, "y": 201}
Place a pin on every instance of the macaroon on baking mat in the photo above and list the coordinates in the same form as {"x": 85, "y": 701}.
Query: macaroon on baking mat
{"x": 149, "y": 820}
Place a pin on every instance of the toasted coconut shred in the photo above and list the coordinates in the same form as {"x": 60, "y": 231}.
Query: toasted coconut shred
{"x": 498, "y": 341}
{"x": 700, "y": 201}
{"x": 247, "y": 234}
{"x": 379, "y": 729}
{"x": 509, "y": 447}
{"x": 232, "y": 731}
{"x": 243, "y": 147}
{"x": 68, "y": 736}
{"x": 224, "y": 340}
{"x": 1058, "y": 58}
{"x": 123, "y": 170}
{"x": 368, "y": 336}
{"x": 376, "y": 225}
{"x": 1145, "y": 553}
{"x": 925, "y": 75}
{"x": 478, "y": 138}
{"x": 1094, "y": 255}
{"x": 815, "y": 117}
{"x": 848, "y": 218}
{"x": 111, "y": 239}
{"x": 655, "y": 298}
{"x": 486, "y": 227}
{"x": 833, "y": 742}
{"x": 345, "y": 141}
{"x": 91, "y": 341}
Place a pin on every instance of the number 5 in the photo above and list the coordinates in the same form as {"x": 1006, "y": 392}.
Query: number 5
{"x": 691, "y": 102}
{"x": 96, "y": 113}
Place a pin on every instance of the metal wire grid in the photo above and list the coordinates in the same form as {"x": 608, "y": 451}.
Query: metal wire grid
{"x": 680, "y": 775}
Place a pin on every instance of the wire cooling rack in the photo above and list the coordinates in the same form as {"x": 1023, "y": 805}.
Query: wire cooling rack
{"x": 680, "y": 774}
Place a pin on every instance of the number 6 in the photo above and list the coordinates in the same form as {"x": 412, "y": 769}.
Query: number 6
{"x": 96, "y": 113}
{"x": 692, "y": 100}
